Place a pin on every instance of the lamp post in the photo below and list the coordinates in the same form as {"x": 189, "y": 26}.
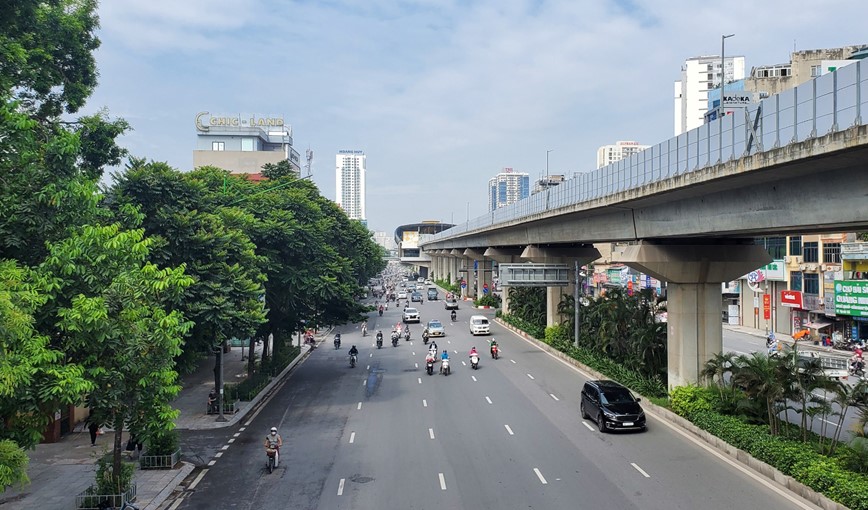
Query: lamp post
{"x": 547, "y": 163}
{"x": 723, "y": 39}
{"x": 578, "y": 295}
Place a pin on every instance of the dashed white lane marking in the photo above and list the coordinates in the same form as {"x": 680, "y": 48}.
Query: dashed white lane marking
{"x": 464, "y": 363}
{"x": 448, "y": 341}
{"x": 488, "y": 400}
{"x": 417, "y": 365}
{"x": 236, "y": 434}
{"x": 341, "y": 487}
{"x": 212, "y": 463}
{"x": 589, "y": 427}
{"x": 646, "y": 475}
{"x": 365, "y": 382}
{"x": 231, "y": 441}
{"x": 431, "y": 433}
{"x": 511, "y": 433}
{"x": 352, "y": 437}
{"x": 552, "y": 395}
{"x": 218, "y": 454}
{"x": 414, "y": 353}
{"x": 420, "y": 380}
{"x": 198, "y": 479}
{"x": 473, "y": 377}
{"x": 411, "y": 344}
{"x": 424, "y": 403}
{"x": 225, "y": 447}
{"x": 371, "y": 355}
{"x": 368, "y": 367}
{"x": 456, "y": 352}
{"x": 242, "y": 429}
{"x": 442, "y": 482}
{"x": 539, "y": 475}
{"x": 513, "y": 361}
{"x": 530, "y": 376}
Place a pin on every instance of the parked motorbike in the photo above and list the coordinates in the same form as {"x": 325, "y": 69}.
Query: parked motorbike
{"x": 353, "y": 359}
{"x": 444, "y": 367}
{"x": 474, "y": 362}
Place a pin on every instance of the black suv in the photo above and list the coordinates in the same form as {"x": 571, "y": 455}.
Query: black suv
{"x": 612, "y": 406}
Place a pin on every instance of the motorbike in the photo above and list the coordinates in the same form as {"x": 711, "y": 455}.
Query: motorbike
{"x": 857, "y": 369}
{"x": 474, "y": 362}
{"x": 353, "y": 359}
{"x": 444, "y": 367}
{"x": 338, "y": 341}
{"x": 381, "y": 311}
{"x": 453, "y": 316}
{"x": 395, "y": 338}
{"x": 429, "y": 365}
{"x": 495, "y": 352}
{"x": 407, "y": 335}
{"x": 272, "y": 454}
{"x": 379, "y": 342}
{"x": 425, "y": 339}
{"x": 364, "y": 331}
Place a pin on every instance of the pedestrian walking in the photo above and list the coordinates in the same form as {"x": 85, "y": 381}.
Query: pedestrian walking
{"x": 93, "y": 428}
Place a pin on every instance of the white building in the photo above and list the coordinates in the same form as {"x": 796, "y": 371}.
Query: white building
{"x": 507, "y": 187}
{"x": 350, "y": 183}
{"x": 698, "y": 76}
{"x": 610, "y": 153}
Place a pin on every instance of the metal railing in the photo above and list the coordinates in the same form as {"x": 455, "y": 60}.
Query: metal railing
{"x": 90, "y": 500}
{"x": 147, "y": 461}
{"x": 827, "y": 104}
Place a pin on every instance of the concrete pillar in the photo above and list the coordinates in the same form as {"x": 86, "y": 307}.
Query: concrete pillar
{"x": 476, "y": 258}
{"x": 504, "y": 299}
{"x": 559, "y": 255}
{"x": 693, "y": 273}
{"x": 505, "y": 255}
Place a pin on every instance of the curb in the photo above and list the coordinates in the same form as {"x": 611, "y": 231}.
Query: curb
{"x": 741, "y": 457}
{"x": 164, "y": 494}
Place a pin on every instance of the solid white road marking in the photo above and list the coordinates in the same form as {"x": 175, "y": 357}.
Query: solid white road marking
{"x": 198, "y": 479}
{"x": 511, "y": 433}
{"x": 231, "y": 440}
{"x": 473, "y": 377}
{"x": 359, "y": 407}
{"x": 218, "y": 454}
{"x": 488, "y": 400}
{"x": 513, "y": 361}
{"x": 431, "y": 433}
{"x": 176, "y": 504}
{"x": 420, "y": 380}
{"x": 646, "y": 475}
{"x": 341, "y": 487}
{"x": 424, "y": 403}
{"x": 442, "y": 482}
{"x": 553, "y": 396}
{"x": 352, "y": 437}
{"x": 530, "y": 376}
{"x": 540, "y": 476}
{"x": 589, "y": 427}
{"x": 212, "y": 463}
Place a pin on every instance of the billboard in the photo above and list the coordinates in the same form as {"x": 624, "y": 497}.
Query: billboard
{"x": 851, "y": 298}
{"x": 410, "y": 240}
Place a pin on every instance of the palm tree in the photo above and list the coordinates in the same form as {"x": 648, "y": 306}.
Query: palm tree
{"x": 718, "y": 367}
{"x": 760, "y": 378}
{"x": 847, "y": 397}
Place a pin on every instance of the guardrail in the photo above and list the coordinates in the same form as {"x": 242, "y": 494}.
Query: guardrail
{"x": 826, "y": 104}
{"x": 90, "y": 500}
{"x": 160, "y": 461}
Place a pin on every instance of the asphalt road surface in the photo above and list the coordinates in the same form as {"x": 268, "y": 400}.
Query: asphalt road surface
{"x": 385, "y": 435}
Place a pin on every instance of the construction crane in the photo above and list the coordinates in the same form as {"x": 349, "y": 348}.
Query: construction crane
{"x": 308, "y": 155}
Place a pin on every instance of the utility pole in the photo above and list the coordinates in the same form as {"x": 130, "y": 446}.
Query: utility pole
{"x": 576, "y": 308}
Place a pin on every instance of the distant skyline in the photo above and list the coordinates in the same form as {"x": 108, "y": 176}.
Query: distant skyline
{"x": 439, "y": 94}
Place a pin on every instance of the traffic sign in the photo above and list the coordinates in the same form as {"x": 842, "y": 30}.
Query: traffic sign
{"x": 485, "y": 288}
{"x": 463, "y": 284}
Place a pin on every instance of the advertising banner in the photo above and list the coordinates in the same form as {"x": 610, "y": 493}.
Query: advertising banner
{"x": 851, "y": 298}
{"x": 410, "y": 240}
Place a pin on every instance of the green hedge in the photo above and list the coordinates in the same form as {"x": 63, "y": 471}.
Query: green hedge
{"x": 451, "y": 287}
{"x": 526, "y": 326}
{"x": 794, "y": 458}
{"x": 247, "y": 389}
{"x": 487, "y": 301}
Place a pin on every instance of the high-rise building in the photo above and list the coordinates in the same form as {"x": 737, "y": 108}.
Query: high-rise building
{"x": 350, "y": 183}
{"x": 507, "y": 187}
{"x": 243, "y": 143}
{"x": 608, "y": 154}
{"x": 698, "y": 76}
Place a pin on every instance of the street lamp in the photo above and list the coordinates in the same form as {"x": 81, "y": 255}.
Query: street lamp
{"x": 547, "y": 162}
{"x": 578, "y": 295}
{"x": 723, "y": 39}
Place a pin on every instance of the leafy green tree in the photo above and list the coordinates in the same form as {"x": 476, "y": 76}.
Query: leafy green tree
{"x": 760, "y": 376}
{"x": 114, "y": 323}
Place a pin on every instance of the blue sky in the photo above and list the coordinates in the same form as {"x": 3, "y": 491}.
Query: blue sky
{"x": 441, "y": 95}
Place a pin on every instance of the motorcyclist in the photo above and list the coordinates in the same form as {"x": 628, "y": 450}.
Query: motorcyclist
{"x": 381, "y": 310}
{"x": 453, "y": 315}
{"x": 445, "y": 355}
{"x": 493, "y": 347}
{"x": 473, "y": 352}
{"x": 365, "y": 328}
{"x": 337, "y": 340}
{"x": 273, "y": 441}
{"x": 425, "y": 335}
{"x": 379, "y": 335}
{"x": 354, "y": 352}
{"x": 407, "y": 334}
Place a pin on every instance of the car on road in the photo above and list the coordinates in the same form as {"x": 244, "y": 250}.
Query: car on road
{"x": 435, "y": 328}
{"x": 428, "y": 282}
{"x": 411, "y": 315}
{"x": 612, "y": 406}
{"x": 416, "y": 297}
{"x": 451, "y": 304}
{"x": 479, "y": 325}
{"x": 432, "y": 294}
{"x": 420, "y": 279}
{"x": 402, "y": 295}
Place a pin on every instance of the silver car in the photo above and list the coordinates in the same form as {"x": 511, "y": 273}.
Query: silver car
{"x": 435, "y": 328}
{"x": 411, "y": 315}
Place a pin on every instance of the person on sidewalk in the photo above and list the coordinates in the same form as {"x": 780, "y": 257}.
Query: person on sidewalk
{"x": 93, "y": 428}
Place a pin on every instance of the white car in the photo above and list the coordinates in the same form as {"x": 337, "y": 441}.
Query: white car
{"x": 402, "y": 295}
{"x": 411, "y": 315}
{"x": 479, "y": 325}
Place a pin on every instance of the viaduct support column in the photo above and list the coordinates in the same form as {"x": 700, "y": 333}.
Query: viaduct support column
{"x": 559, "y": 255}
{"x": 505, "y": 255}
{"x": 477, "y": 258}
{"x": 693, "y": 273}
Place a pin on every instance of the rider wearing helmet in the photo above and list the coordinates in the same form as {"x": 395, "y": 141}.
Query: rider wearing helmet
{"x": 445, "y": 355}
{"x": 273, "y": 441}
{"x": 473, "y": 352}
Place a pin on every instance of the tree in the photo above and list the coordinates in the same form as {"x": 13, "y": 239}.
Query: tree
{"x": 759, "y": 375}
{"x": 717, "y": 368}
{"x": 111, "y": 312}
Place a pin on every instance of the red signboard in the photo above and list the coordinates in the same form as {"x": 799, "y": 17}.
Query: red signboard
{"x": 767, "y": 307}
{"x": 791, "y": 298}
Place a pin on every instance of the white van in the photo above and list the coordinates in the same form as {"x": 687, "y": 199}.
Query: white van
{"x": 479, "y": 325}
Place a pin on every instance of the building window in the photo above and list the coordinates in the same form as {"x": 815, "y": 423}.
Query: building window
{"x": 776, "y": 246}
{"x": 812, "y": 283}
{"x": 832, "y": 253}
{"x": 796, "y": 280}
{"x": 812, "y": 252}
{"x": 796, "y": 246}
{"x": 816, "y": 71}
{"x": 218, "y": 146}
{"x": 247, "y": 144}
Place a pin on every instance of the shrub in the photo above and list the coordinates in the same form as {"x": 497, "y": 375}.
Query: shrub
{"x": 104, "y": 472}
{"x": 685, "y": 400}
{"x": 163, "y": 443}
{"x": 526, "y": 326}
{"x": 487, "y": 301}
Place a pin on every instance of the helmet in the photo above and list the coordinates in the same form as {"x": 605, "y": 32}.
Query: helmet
{"x": 274, "y": 429}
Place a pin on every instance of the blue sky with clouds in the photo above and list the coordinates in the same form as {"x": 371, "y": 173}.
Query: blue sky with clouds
{"x": 440, "y": 94}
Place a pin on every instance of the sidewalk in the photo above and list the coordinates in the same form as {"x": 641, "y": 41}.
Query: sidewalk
{"x": 59, "y": 471}
{"x": 788, "y": 340}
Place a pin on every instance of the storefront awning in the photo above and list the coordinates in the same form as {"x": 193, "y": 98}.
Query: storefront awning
{"x": 817, "y": 325}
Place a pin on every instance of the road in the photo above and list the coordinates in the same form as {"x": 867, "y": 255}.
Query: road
{"x": 507, "y": 436}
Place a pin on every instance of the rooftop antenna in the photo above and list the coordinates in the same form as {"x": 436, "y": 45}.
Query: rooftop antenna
{"x": 308, "y": 155}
